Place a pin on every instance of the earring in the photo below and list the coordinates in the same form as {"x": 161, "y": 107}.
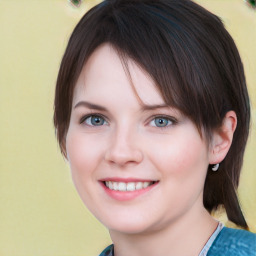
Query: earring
{"x": 215, "y": 167}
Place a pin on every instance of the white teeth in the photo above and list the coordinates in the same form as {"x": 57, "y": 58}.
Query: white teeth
{"x": 115, "y": 185}
{"x": 146, "y": 184}
{"x": 110, "y": 185}
{"x": 122, "y": 186}
{"x": 130, "y": 186}
{"x": 139, "y": 185}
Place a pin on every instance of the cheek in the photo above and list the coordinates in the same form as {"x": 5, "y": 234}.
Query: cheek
{"x": 83, "y": 154}
{"x": 181, "y": 155}
{"x": 182, "y": 162}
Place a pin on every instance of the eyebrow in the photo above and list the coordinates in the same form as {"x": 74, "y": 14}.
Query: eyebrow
{"x": 98, "y": 107}
{"x": 152, "y": 107}
{"x": 90, "y": 105}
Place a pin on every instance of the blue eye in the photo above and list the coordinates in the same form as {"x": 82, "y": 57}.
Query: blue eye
{"x": 161, "y": 122}
{"x": 95, "y": 120}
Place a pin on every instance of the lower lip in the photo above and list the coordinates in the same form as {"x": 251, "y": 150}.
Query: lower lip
{"x": 127, "y": 195}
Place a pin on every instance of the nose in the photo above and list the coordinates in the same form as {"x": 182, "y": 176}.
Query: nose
{"x": 124, "y": 149}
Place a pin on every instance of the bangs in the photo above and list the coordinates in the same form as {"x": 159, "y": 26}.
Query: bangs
{"x": 174, "y": 53}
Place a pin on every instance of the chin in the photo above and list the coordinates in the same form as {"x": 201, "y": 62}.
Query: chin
{"x": 129, "y": 229}
{"x": 128, "y": 225}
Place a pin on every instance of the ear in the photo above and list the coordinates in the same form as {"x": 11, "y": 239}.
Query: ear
{"x": 222, "y": 138}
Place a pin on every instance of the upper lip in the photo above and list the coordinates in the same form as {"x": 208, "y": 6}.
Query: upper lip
{"x": 126, "y": 180}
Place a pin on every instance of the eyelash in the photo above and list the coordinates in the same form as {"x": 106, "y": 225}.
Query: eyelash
{"x": 84, "y": 118}
{"x": 171, "y": 120}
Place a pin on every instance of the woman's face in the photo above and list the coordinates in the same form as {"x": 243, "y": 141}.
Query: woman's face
{"x": 137, "y": 164}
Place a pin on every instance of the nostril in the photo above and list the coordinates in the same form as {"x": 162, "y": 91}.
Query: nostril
{"x": 123, "y": 156}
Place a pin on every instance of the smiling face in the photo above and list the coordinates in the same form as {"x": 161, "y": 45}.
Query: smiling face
{"x": 137, "y": 164}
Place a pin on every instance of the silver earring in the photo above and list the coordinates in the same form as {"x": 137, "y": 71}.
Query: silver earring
{"x": 215, "y": 167}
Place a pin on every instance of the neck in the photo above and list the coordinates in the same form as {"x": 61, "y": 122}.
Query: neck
{"x": 184, "y": 237}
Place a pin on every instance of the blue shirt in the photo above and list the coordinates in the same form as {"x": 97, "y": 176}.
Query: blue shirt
{"x": 227, "y": 242}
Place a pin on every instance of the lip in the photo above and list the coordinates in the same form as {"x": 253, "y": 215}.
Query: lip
{"x": 126, "y": 180}
{"x": 126, "y": 195}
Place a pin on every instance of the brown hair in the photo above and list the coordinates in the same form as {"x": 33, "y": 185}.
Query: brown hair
{"x": 192, "y": 59}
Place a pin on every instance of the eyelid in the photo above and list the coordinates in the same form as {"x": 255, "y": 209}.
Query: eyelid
{"x": 170, "y": 118}
{"x": 84, "y": 117}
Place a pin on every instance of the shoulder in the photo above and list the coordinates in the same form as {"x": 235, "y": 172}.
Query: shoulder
{"x": 234, "y": 242}
{"x": 108, "y": 251}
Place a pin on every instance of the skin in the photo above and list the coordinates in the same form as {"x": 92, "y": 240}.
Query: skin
{"x": 129, "y": 143}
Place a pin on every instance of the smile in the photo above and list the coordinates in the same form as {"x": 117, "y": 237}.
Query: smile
{"x": 126, "y": 189}
{"x": 128, "y": 186}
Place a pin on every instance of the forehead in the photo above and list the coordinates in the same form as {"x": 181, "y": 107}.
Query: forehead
{"x": 105, "y": 73}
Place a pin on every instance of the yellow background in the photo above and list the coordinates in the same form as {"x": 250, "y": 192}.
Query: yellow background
{"x": 40, "y": 211}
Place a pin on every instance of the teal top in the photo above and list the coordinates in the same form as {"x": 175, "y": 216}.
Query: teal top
{"x": 223, "y": 242}
{"x": 233, "y": 242}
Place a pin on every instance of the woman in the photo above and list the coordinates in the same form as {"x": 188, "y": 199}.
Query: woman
{"x": 152, "y": 113}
